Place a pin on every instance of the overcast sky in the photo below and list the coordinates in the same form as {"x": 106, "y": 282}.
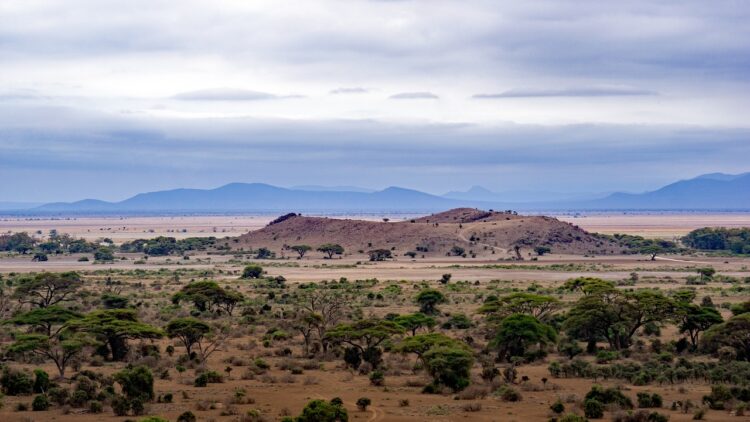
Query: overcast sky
{"x": 107, "y": 99}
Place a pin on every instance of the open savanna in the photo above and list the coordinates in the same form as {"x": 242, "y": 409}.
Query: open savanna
{"x": 266, "y": 372}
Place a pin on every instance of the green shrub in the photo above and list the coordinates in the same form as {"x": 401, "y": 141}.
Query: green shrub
{"x": 646, "y": 400}
{"x": 58, "y": 395}
{"x": 136, "y": 383}
{"x": 15, "y": 382}
{"x": 209, "y": 377}
{"x": 322, "y": 411}
{"x": 508, "y": 393}
{"x": 377, "y": 378}
{"x": 95, "y": 406}
{"x": 363, "y": 403}
{"x": 120, "y": 405}
{"x": 593, "y": 409}
{"x": 41, "y": 381}
{"x": 186, "y": 417}
{"x": 40, "y": 403}
{"x": 557, "y": 407}
{"x": 609, "y": 396}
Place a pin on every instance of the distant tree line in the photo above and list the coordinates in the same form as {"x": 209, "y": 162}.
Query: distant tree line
{"x": 719, "y": 239}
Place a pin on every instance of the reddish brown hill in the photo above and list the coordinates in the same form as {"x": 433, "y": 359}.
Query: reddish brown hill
{"x": 484, "y": 233}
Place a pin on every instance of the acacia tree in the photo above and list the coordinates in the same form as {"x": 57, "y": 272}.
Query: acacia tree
{"x": 428, "y": 300}
{"x": 188, "y": 331}
{"x": 414, "y": 322}
{"x": 208, "y": 296}
{"x": 114, "y": 327}
{"x": 538, "y": 306}
{"x": 733, "y": 334}
{"x": 520, "y": 332}
{"x": 306, "y": 323}
{"x": 50, "y": 320}
{"x": 694, "y": 319}
{"x": 331, "y": 249}
{"x": 447, "y": 360}
{"x": 325, "y": 307}
{"x": 60, "y": 348}
{"x": 616, "y": 316}
{"x": 365, "y": 336}
{"x": 301, "y": 250}
{"x": 47, "y": 289}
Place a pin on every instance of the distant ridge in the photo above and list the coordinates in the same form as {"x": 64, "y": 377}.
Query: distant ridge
{"x": 715, "y": 191}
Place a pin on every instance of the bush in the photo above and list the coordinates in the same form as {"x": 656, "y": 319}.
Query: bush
{"x": 136, "y": 383}
{"x": 41, "y": 381}
{"x": 120, "y": 405}
{"x": 137, "y": 406}
{"x": 210, "y": 377}
{"x": 572, "y": 417}
{"x": 15, "y": 382}
{"x": 646, "y": 400}
{"x": 40, "y": 403}
{"x": 362, "y": 403}
{"x": 609, "y": 396}
{"x": 322, "y": 411}
{"x": 186, "y": 417}
{"x": 593, "y": 409}
{"x": 58, "y": 395}
{"x": 508, "y": 393}
{"x": 377, "y": 378}
{"x": 557, "y": 407}
{"x": 95, "y": 406}
{"x": 252, "y": 271}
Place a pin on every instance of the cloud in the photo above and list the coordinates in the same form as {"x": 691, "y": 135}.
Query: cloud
{"x": 353, "y": 90}
{"x": 228, "y": 94}
{"x": 568, "y": 92}
{"x": 414, "y": 96}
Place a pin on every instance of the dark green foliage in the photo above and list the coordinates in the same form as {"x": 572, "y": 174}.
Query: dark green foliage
{"x": 538, "y": 306}
{"x": 519, "y": 333}
{"x": 136, "y": 383}
{"x": 694, "y": 319}
{"x": 377, "y": 378}
{"x": 40, "y": 403}
{"x": 120, "y": 405}
{"x": 449, "y": 365}
{"x": 47, "y": 289}
{"x": 646, "y": 400}
{"x": 331, "y": 249}
{"x": 365, "y": 335}
{"x": 15, "y": 382}
{"x": 322, "y": 411}
{"x": 209, "y": 296}
{"x": 48, "y": 319}
{"x": 740, "y": 308}
{"x": 41, "y": 381}
{"x": 363, "y": 403}
{"x": 458, "y": 322}
{"x": 428, "y": 299}
{"x": 58, "y": 395}
{"x": 111, "y": 301}
{"x": 557, "y": 407}
{"x": 733, "y": 334}
{"x": 593, "y": 409}
{"x": 95, "y": 406}
{"x": 163, "y": 246}
{"x": 639, "y": 244}
{"x": 414, "y": 322}
{"x": 609, "y": 396}
{"x": 187, "y": 416}
{"x": 735, "y": 240}
{"x": 114, "y": 327}
{"x": 252, "y": 271}
{"x": 17, "y": 242}
{"x": 208, "y": 377}
{"x": 380, "y": 254}
{"x": 188, "y": 330}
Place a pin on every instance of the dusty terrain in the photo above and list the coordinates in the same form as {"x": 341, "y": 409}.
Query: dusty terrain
{"x": 277, "y": 392}
{"x": 478, "y": 233}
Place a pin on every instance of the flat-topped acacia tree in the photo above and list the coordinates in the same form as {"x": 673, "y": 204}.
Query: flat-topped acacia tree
{"x": 331, "y": 249}
{"x": 114, "y": 327}
{"x": 47, "y": 289}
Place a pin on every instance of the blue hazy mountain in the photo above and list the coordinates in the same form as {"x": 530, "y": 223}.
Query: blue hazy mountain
{"x": 716, "y": 191}
{"x": 479, "y": 193}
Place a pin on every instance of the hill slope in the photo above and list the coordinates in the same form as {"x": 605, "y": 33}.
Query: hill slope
{"x": 484, "y": 233}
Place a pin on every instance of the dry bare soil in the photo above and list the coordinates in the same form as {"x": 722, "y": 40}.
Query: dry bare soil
{"x": 294, "y": 378}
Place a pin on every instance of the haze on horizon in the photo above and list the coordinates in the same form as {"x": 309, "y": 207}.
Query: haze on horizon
{"x": 106, "y": 100}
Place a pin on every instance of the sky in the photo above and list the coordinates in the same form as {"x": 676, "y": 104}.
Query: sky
{"x": 104, "y": 99}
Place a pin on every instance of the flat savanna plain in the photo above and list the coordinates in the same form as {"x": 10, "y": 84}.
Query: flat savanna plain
{"x": 277, "y": 391}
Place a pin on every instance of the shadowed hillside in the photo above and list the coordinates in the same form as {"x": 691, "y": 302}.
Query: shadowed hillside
{"x": 477, "y": 232}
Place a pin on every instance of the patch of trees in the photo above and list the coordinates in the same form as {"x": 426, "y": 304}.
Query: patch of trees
{"x": 24, "y": 243}
{"x": 736, "y": 240}
{"x": 163, "y": 246}
{"x": 639, "y": 244}
{"x": 208, "y": 296}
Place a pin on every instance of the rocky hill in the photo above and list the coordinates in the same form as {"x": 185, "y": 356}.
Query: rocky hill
{"x": 481, "y": 233}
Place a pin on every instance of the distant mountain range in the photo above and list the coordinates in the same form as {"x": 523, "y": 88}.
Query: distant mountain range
{"x": 716, "y": 191}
